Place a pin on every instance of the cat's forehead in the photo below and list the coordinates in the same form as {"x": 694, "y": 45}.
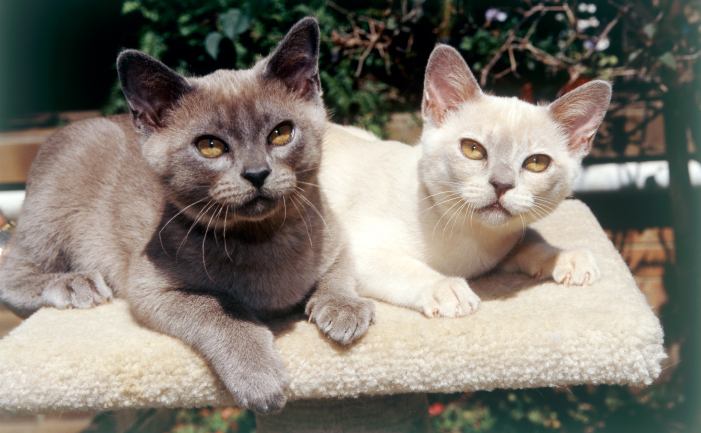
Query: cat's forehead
{"x": 238, "y": 101}
{"x": 225, "y": 85}
{"x": 502, "y": 121}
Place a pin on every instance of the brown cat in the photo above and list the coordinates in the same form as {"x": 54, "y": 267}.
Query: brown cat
{"x": 205, "y": 214}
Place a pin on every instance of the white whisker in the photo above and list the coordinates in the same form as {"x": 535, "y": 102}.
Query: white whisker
{"x": 204, "y": 238}
{"x": 446, "y": 200}
{"x": 441, "y": 192}
{"x": 226, "y": 214}
{"x": 221, "y": 208}
{"x": 204, "y": 209}
{"x": 446, "y": 212}
{"x": 303, "y": 220}
{"x": 313, "y": 207}
{"x": 174, "y": 216}
{"x": 284, "y": 218}
{"x": 457, "y": 212}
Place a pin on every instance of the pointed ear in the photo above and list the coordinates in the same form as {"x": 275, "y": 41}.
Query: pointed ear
{"x": 580, "y": 112}
{"x": 150, "y": 87}
{"x": 448, "y": 83}
{"x": 295, "y": 60}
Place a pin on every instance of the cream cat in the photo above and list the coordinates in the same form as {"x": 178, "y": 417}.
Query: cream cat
{"x": 423, "y": 219}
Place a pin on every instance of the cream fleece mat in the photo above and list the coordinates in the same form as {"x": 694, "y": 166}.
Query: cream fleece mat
{"x": 526, "y": 334}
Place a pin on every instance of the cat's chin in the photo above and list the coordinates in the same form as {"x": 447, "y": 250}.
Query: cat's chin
{"x": 495, "y": 214}
{"x": 257, "y": 209}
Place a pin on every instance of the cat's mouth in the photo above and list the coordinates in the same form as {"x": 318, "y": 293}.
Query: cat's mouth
{"x": 496, "y": 207}
{"x": 258, "y": 207}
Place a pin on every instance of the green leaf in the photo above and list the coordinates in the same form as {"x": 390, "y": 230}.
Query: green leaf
{"x": 650, "y": 30}
{"x": 234, "y": 22}
{"x": 211, "y": 44}
{"x": 153, "y": 44}
{"x": 130, "y": 6}
{"x": 259, "y": 7}
{"x": 466, "y": 44}
{"x": 634, "y": 55}
{"x": 667, "y": 59}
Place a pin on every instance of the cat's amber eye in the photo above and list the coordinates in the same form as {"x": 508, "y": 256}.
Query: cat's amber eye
{"x": 280, "y": 135}
{"x": 472, "y": 149}
{"x": 210, "y": 147}
{"x": 536, "y": 163}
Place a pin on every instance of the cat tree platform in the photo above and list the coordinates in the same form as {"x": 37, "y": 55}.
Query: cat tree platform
{"x": 526, "y": 334}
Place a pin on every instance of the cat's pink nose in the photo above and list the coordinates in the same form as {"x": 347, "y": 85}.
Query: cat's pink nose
{"x": 501, "y": 187}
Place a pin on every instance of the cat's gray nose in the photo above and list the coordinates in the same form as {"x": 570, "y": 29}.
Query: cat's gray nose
{"x": 501, "y": 187}
{"x": 257, "y": 178}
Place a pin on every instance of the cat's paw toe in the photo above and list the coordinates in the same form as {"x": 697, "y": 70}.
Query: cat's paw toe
{"x": 343, "y": 320}
{"x": 77, "y": 290}
{"x": 576, "y": 267}
{"x": 263, "y": 392}
{"x": 451, "y": 297}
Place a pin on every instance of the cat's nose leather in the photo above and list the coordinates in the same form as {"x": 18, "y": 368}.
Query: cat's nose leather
{"x": 500, "y": 187}
{"x": 257, "y": 178}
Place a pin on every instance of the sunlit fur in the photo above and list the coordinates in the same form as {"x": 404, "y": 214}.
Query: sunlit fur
{"x": 423, "y": 219}
{"x": 522, "y": 130}
{"x": 202, "y": 248}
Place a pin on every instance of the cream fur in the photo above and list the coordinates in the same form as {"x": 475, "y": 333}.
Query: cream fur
{"x": 527, "y": 334}
{"x": 421, "y": 220}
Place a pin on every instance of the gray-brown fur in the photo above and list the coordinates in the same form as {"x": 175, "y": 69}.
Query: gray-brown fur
{"x": 127, "y": 205}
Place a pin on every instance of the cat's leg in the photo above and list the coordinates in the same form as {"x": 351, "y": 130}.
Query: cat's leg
{"x": 231, "y": 338}
{"x": 537, "y": 258}
{"x": 336, "y": 308}
{"x": 405, "y": 281}
{"x": 25, "y": 288}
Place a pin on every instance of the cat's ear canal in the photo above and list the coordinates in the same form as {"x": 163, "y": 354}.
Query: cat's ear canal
{"x": 150, "y": 88}
{"x": 448, "y": 84}
{"x": 295, "y": 60}
{"x": 580, "y": 112}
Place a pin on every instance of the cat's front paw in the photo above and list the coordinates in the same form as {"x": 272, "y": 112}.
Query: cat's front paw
{"x": 262, "y": 391}
{"x": 577, "y": 267}
{"x": 77, "y": 290}
{"x": 342, "y": 319}
{"x": 451, "y": 297}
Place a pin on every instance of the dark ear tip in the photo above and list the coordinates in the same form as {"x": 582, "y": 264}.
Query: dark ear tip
{"x": 129, "y": 54}
{"x": 309, "y": 23}
{"x": 127, "y": 58}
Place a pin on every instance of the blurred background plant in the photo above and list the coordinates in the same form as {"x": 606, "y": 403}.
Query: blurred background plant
{"x": 373, "y": 52}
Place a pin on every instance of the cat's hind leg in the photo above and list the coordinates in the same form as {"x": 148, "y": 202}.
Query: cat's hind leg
{"x": 78, "y": 290}
{"x": 25, "y": 288}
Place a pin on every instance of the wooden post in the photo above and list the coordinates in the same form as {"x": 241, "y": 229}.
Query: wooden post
{"x": 678, "y": 103}
{"x": 399, "y": 413}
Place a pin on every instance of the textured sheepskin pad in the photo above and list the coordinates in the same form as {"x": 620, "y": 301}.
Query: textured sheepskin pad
{"x": 526, "y": 333}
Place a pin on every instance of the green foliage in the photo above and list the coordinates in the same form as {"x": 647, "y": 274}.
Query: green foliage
{"x": 221, "y": 420}
{"x": 197, "y": 37}
{"x": 373, "y": 53}
{"x": 572, "y": 409}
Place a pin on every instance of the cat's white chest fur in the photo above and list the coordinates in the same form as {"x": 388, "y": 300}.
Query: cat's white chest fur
{"x": 374, "y": 187}
{"x": 460, "y": 247}
{"x": 402, "y": 245}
